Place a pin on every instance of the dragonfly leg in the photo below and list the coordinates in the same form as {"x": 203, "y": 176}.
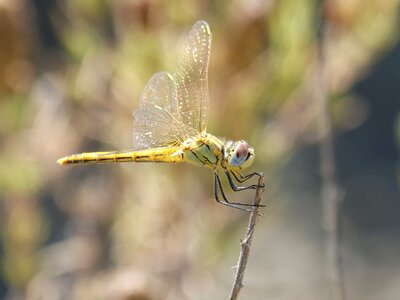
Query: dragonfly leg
{"x": 238, "y": 188}
{"x": 241, "y": 188}
{"x": 242, "y": 178}
{"x": 218, "y": 185}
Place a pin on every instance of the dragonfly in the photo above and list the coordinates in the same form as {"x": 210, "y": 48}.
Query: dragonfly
{"x": 171, "y": 119}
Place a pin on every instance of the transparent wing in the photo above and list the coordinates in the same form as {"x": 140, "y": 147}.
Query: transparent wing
{"x": 157, "y": 122}
{"x": 191, "y": 77}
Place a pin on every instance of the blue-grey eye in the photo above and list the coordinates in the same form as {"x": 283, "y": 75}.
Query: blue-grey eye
{"x": 240, "y": 154}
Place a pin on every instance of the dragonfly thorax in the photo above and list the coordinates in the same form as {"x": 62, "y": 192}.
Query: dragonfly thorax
{"x": 238, "y": 154}
{"x": 204, "y": 149}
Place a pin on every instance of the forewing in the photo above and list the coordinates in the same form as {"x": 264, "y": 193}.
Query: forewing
{"x": 157, "y": 122}
{"x": 191, "y": 77}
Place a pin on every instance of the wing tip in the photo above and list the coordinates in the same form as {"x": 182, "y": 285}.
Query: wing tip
{"x": 204, "y": 24}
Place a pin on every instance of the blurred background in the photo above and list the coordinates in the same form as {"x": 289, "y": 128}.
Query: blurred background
{"x": 71, "y": 73}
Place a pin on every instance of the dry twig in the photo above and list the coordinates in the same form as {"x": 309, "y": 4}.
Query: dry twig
{"x": 331, "y": 193}
{"x": 246, "y": 243}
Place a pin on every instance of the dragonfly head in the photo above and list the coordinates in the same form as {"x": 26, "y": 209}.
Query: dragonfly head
{"x": 239, "y": 154}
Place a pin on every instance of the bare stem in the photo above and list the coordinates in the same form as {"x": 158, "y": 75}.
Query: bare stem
{"x": 330, "y": 191}
{"x": 246, "y": 243}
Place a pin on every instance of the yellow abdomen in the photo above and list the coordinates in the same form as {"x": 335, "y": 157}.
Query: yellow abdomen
{"x": 169, "y": 155}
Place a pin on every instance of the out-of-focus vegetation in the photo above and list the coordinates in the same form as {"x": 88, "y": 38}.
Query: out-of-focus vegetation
{"x": 71, "y": 73}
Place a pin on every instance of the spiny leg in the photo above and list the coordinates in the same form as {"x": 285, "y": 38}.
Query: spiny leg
{"x": 218, "y": 186}
{"x": 217, "y": 181}
{"x": 238, "y": 188}
{"x": 240, "y": 178}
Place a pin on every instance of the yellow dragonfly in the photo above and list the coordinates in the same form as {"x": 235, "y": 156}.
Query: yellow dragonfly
{"x": 170, "y": 123}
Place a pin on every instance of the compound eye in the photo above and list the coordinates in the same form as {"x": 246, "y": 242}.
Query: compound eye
{"x": 242, "y": 150}
{"x": 240, "y": 154}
